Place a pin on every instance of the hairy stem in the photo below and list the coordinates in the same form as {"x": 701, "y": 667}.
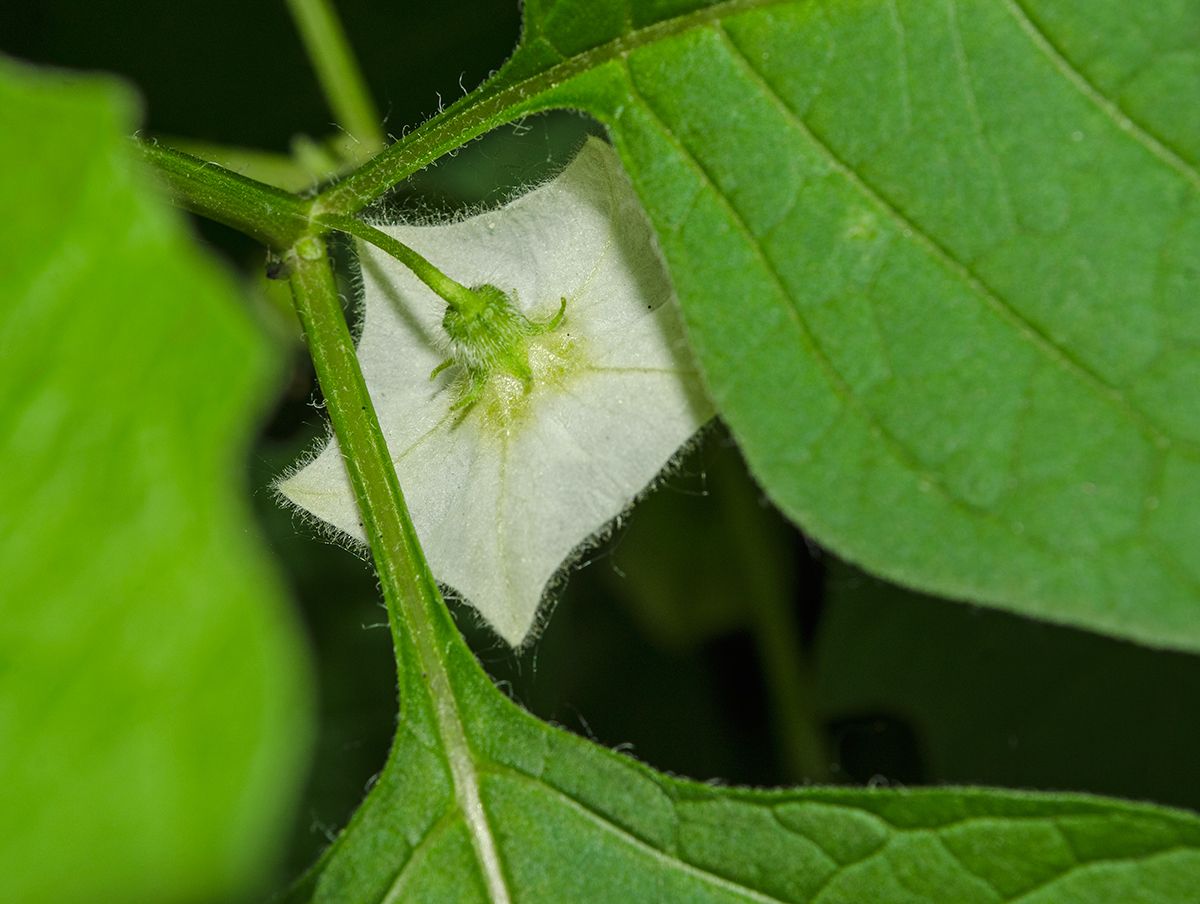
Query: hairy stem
{"x": 338, "y": 71}
{"x": 271, "y": 215}
{"x": 416, "y": 612}
{"x": 453, "y": 293}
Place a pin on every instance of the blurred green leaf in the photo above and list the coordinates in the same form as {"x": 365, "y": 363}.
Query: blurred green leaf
{"x": 939, "y": 262}
{"x": 154, "y": 686}
{"x": 1004, "y": 701}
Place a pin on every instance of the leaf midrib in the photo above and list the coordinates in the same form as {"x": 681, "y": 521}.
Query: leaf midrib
{"x": 462, "y": 763}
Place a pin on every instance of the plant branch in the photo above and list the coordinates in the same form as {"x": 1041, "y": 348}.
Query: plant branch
{"x": 338, "y": 71}
{"x": 273, "y": 216}
{"x": 416, "y": 612}
{"x": 273, "y": 168}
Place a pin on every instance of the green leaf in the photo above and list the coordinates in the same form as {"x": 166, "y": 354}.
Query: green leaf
{"x": 575, "y": 822}
{"x": 938, "y": 261}
{"x": 154, "y": 685}
{"x": 1000, "y": 700}
{"x": 939, "y": 264}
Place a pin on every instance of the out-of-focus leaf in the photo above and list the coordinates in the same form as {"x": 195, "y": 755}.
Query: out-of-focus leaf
{"x": 154, "y": 686}
{"x": 1005, "y": 701}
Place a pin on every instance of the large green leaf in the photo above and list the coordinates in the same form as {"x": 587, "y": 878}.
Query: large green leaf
{"x": 154, "y": 699}
{"x": 574, "y": 822}
{"x": 939, "y": 263}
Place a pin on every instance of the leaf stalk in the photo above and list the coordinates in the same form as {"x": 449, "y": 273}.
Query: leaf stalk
{"x": 416, "y": 612}
{"x": 455, "y": 294}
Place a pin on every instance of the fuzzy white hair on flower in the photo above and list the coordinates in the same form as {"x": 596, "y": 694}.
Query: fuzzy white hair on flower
{"x": 561, "y": 386}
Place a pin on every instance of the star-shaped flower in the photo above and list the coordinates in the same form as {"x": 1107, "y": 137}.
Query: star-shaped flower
{"x": 549, "y": 412}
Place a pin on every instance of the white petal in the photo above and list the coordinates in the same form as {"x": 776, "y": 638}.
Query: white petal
{"x": 502, "y": 495}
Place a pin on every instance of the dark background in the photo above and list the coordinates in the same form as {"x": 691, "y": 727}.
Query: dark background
{"x": 911, "y": 689}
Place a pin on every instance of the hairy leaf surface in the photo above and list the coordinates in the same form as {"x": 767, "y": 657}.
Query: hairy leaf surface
{"x": 575, "y": 822}
{"x": 154, "y": 707}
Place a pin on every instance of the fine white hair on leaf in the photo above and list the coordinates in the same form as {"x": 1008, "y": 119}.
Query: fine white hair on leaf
{"x": 509, "y": 484}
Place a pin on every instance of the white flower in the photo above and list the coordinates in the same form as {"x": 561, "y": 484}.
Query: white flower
{"x": 507, "y": 470}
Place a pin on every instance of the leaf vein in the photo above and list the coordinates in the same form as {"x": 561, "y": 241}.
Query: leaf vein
{"x": 964, "y": 68}
{"x": 1109, "y": 108}
{"x": 902, "y": 42}
{"x": 397, "y": 886}
{"x": 1027, "y": 330}
{"x": 603, "y": 822}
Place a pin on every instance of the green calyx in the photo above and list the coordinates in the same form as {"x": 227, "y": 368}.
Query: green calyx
{"x": 489, "y": 332}
{"x": 486, "y": 330}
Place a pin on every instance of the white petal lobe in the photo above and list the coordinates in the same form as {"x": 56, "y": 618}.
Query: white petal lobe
{"x": 502, "y": 491}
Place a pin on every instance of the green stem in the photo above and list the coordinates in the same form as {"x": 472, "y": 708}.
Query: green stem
{"x": 273, "y": 216}
{"x": 427, "y": 142}
{"x": 503, "y": 99}
{"x": 800, "y": 739}
{"x": 416, "y": 612}
{"x": 454, "y": 293}
{"x": 790, "y": 687}
{"x": 408, "y": 586}
{"x": 269, "y": 167}
{"x": 338, "y": 71}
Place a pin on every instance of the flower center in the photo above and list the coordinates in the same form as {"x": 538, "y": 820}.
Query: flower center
{"x": 502, "y": 352}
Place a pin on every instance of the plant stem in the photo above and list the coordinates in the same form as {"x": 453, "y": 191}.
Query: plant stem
{"x": 799, "y": 736}
{"x": 338, "y": 72}
{"x": 789, "y": 684}
{"x": 416, "y": 612}
{"x": 269, "y": 167}
{"x": 453, "y": 293}
{"x": 398, "y": 556}
{"x": 271, "y": 215}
